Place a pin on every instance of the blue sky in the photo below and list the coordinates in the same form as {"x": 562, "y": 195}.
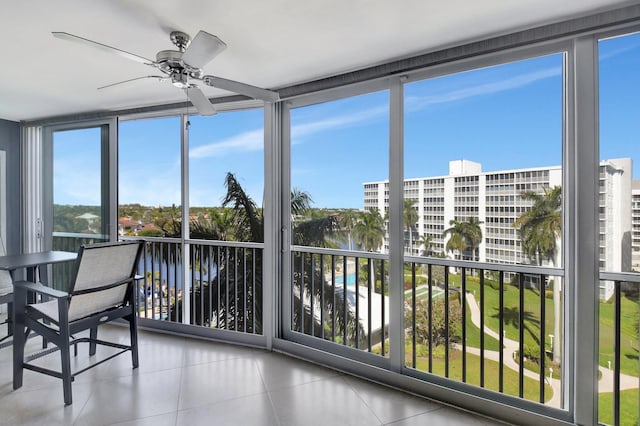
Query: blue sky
{"x": 506, "y": 116}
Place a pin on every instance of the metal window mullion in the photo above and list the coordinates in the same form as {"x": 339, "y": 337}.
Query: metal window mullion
{"x": 275, "y": 254}
{"x": 581, "y": 230}
{"x": 184, "y": 234}
{"x": 396, "y": 234}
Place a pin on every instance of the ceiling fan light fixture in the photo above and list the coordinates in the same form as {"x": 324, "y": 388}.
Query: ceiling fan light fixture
{"x": 179, "y": 80}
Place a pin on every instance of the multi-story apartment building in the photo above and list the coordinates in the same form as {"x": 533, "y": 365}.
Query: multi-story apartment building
{"x": 495, "y": 199}
{"x": 635, "y": 225}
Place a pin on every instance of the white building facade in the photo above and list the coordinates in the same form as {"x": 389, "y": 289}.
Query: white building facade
{"x": 494, "y": 198}
{"x": 635, "y": 225}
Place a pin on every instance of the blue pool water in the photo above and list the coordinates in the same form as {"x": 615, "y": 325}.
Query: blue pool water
{"x": 351, "y": 280}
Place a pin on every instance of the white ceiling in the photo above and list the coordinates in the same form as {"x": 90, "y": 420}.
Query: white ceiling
{"x": 271, "y": 43}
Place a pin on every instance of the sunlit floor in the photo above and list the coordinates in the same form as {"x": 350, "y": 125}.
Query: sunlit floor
{"x": 185, "y": 381}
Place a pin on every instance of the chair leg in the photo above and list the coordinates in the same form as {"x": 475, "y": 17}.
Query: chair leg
{"x": 20, "y": 332}
{"x": 19, "y": 340}
{"x": 65, "y": 357}
{"x": 133, "y": 333}
{"x": 93, "y": 335}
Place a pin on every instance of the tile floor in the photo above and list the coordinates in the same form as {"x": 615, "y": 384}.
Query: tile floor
{"x": 185, "y": 381}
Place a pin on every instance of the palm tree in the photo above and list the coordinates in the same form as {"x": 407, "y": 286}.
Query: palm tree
{"x": 234, "y": 307}
{"x": 473, "y": 236}
{"x": 300, "y": 202}
{"x": 426, "y": 242}
{"x": 410, "y": 217}
{"x": 539, "y": 229}
{"x": 369, "y": 230}
{"x": 347, "y": 220}
{"x": 464, "y": 236}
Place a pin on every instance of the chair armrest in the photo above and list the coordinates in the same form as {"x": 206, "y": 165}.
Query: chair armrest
{"x": 41, "y": 289}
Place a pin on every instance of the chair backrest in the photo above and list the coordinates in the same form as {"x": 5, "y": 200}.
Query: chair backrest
{"x": 104, "y": 275}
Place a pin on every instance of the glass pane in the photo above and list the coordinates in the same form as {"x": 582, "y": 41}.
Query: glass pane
{"x": 80, "y": 213}
{"x": 149, "y": 178}
{"x": 483, "y": 176}
{"x": 77, "y": 185}
{"x": 338, "y": 150}
{"x": 226, "y": 148}
{"x": 619, "y": 214}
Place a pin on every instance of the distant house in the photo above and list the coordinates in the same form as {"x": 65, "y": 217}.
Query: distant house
{"x": 128, "y": 226}
{"x": 92, "y": 221}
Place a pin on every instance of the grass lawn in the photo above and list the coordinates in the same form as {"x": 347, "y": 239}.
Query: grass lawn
{"x": 491, "y": 374}
{"x": 628, "y": 339}
{"x": 628, "y": 408}
{"x": 630, "y": 313}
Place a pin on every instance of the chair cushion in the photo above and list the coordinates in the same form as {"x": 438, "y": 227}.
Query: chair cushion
{"x": 50, "y": 310}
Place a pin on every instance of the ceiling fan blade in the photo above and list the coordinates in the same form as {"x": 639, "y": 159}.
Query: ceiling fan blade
{"x": 158, "y": 77}
{"x": 241, "y": 88}
{"x": 200, "y": 101}
{"x": 104, "y": 47}
{"x": 202, "y": 49}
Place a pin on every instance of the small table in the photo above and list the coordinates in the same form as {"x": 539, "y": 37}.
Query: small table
{"x": 31, "y": 262}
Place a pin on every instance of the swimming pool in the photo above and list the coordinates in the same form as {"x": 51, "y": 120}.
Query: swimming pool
{"x": 351, "y": 280}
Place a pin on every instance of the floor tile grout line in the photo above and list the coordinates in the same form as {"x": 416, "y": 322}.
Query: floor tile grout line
{"x": 362, "y": 399}
{"x": 179, "y": 394}
{"x": 273, "y": 406}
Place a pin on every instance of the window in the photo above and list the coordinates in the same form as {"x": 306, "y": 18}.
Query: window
{"x": 149, "y": 177}
{"x": 226, "y": 146}
{"x": 619, "y": 74}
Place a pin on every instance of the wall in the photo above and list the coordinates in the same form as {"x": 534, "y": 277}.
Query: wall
{"x": 10, "y": 142}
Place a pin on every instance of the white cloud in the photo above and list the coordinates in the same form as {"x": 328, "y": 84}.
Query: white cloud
{"x": 253, "y": 140}
{"x": 247, "y": 141}
{"x": 338, "y": 121}
{"x": 419, "y": 102}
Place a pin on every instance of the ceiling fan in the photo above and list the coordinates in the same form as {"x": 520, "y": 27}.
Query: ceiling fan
{"x": 184, "y": 66}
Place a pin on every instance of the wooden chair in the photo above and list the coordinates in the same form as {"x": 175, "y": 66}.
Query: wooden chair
{"x": 101, "y": 290}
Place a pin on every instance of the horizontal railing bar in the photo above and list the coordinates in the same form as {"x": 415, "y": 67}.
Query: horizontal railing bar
{"x": 152, "y": 239}
{"x": 213, "y": 243}
{"x": 80, "y": 235}
{"x": 631, "y": 277}
{"x": 504, "y": 267}
{"x": 221, "y": 243}
{"x": 339, "y": 252}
